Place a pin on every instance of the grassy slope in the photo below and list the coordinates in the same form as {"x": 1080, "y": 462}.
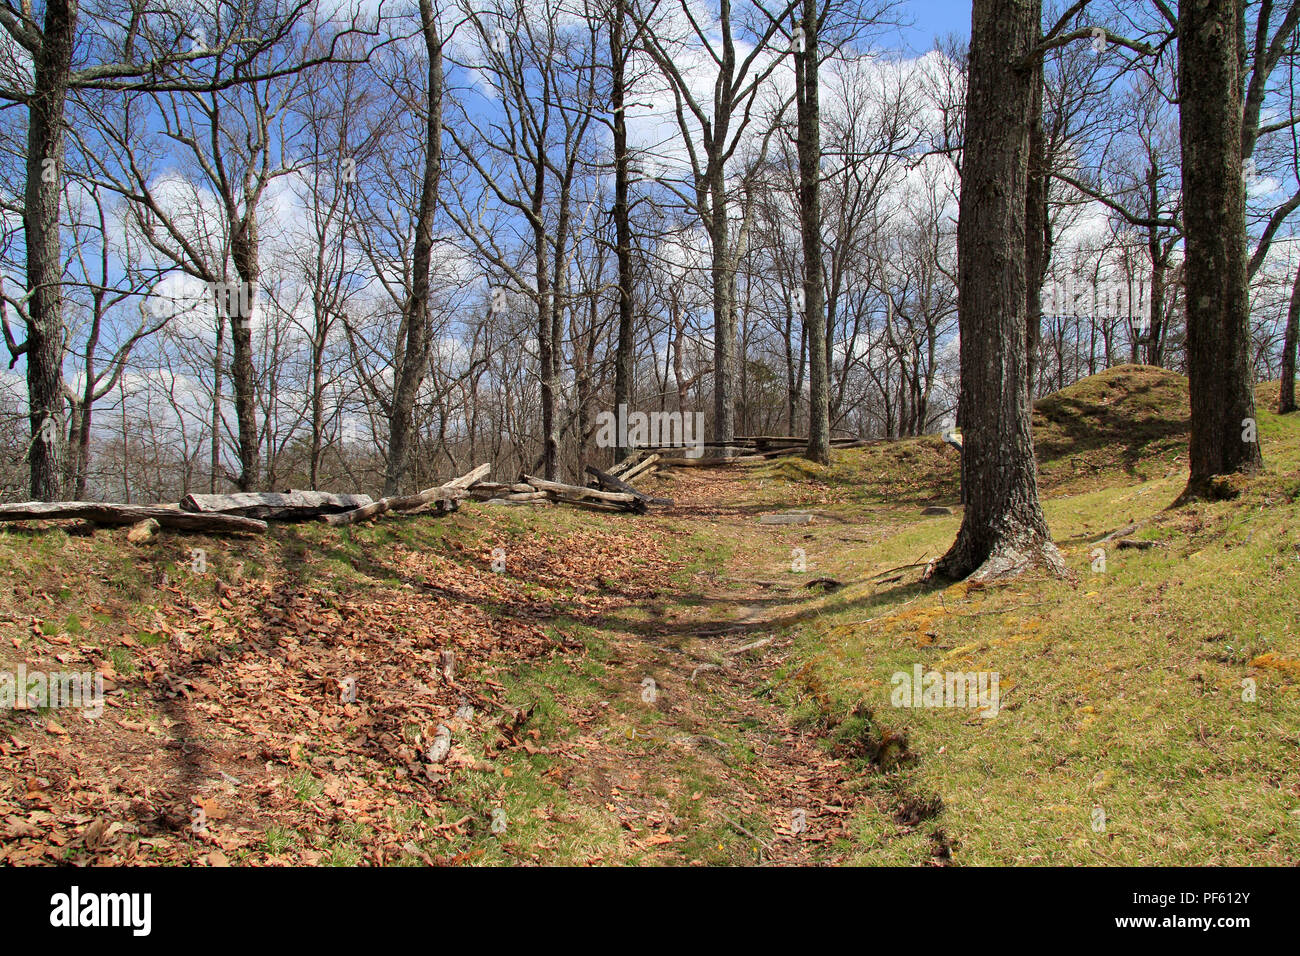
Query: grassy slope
{"x": 1121, "y": 691}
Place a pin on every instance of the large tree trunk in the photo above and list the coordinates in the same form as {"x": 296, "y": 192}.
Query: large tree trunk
{"x": 807, "y": 63}
{"x": 52, "y": 65}
{"x": 1037, "y": 230}
{"x": 1003, "y": 530}
{"x": 415, "y": 332}
{"x": 1223, "y": 440}
{"x": 1286, "y": 397}
{"x": 623, "y": 360}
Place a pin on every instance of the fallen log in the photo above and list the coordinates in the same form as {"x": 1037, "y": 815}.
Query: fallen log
{"x": 493, "y": 489}
{"x": 1138, "y": 544}
{"x": 574, "y": 493}
{"x": 452, "y": 491}
{"x": 280, "y": 506}
{"x": 532, "y": 495}
{"x": 610, "y": 483}
{"x": 633, "y": 457}
{"x": 592, "y": 505}
{"x": 786, "y": 439}
{"x": 794, "y": 452}
{"x": 702, "y": 462}
{"x": 118, "y": 514}
{"x": 639, "y": 469}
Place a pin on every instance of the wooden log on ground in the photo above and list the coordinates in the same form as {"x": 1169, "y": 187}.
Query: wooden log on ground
{"x": 633, "y": 457}
{"x": 279, "y": 506}
{"x": 578, "y": 493}
{"x": 702, "y": 462}
{"x": 610, "y": 483}
{"x": 453, "y": 490}
{"x": 639, "y": 469}
{"x": 491, "y": 489}
{"x": 785, "y": 440}
{"x": 795, "y": 451}
{"x": 591, "y": 505}
{"x": 708, "y": 448}
{"x": 118, "y": 514}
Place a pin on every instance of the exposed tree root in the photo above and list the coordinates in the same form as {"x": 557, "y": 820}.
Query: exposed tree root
{"x": 1009, "y": 558}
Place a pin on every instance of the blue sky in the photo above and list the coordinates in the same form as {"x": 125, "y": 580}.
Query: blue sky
{"x": 935, "y": 18}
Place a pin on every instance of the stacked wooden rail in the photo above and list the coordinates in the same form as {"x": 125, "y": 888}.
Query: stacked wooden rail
{"x": 741, "y": 449}
{"x": 250, "y": 512}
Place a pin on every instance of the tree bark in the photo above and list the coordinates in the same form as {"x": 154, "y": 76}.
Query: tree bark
{"x": 1223, "y": 439}
{"x": 724, "y": 316}
{"x": 624, "y": 367}
{"x": 1003, "y": 529}
{"x": 1038, "y": 231}
{"x": 1286, "y": 396}
{"x": 807, "y": 64}
{"x": 51, "y": 73}
{"x": 415, "y": 333}
{"x": 214, "y": 464}
{"x": 239, "y": 305}
{"x": 1159, "y": 263}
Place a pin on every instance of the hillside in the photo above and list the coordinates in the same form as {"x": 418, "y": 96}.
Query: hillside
{"x": 680, "y": 688}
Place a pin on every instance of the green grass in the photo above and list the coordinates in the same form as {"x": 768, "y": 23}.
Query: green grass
{"x": 305, "y": 786}
{"x": 1125, "y": 693}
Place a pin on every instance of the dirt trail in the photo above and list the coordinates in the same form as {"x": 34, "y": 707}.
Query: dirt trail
{"x": 715, "y": 661}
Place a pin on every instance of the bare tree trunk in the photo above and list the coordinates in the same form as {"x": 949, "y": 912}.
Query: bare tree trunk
{"x": 1286, "y": 397}
{"x": 624, "y": 367}
{"x": 52, "y": 65}
{"x": 724, "y": 316}
{"x": 807, "y": 64}
{"x": 1223, "y": 440}
{"x": 1003, "y": 530}
{"x": 317, "y": 404}
{"x": 545, "y": 347}
{"x": 240, "y": 305}
{"x": 415, "y": 318}
{"x": 1159, "y": 260}
{"x": 214, "y": 470}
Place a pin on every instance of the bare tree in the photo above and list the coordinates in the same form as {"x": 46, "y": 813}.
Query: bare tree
{"x": 1003, "y": 530}
{"x": 712, "y": 132}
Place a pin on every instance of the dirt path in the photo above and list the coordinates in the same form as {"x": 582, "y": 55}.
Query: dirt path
{"x": 706, "y": 668}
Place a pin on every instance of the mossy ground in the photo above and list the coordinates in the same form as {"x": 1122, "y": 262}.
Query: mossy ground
{"x": 1149, "y": 708}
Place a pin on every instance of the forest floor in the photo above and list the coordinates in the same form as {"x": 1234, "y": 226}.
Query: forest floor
{"x": 688, "y": 687}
